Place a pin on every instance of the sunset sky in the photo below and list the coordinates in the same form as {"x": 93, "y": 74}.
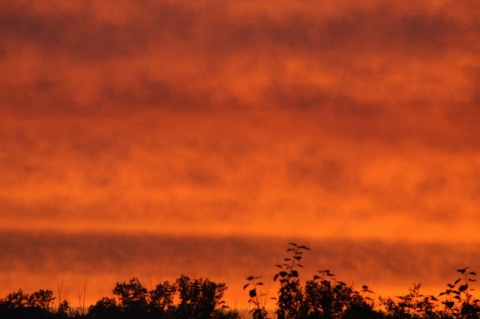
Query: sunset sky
{"x": 155, "y": 138}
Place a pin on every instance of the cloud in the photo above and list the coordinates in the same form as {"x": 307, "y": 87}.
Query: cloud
{"x": 192, "y": 56}
{"x": 135, "y": 25}
{"x": 77, "y": 33}
{"x": 271, "y": 173}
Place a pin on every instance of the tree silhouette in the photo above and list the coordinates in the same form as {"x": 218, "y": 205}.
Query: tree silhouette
{"x": 18, "y": 305}
{"x": 198, "y": 297}
{"x": 133, "y": 298}
{"x": 161, "y": 300}
{"x": 105, "y": 308}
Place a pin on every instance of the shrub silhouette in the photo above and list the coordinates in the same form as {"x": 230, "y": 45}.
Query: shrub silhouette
{"x": 257, "y": 298}
{"x": 291, "y": 295}
{"x": 326, "y": 297}
{"x": 321, "y": 297}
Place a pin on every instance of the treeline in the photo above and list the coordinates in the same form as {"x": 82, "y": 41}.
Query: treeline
{"x": 185, "y": 298}
{"x": 322, "y": 297}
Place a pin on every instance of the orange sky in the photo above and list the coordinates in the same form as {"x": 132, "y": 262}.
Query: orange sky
{"x": 193, "y": 136}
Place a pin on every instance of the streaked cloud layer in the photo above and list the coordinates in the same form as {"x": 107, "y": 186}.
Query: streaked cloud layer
{"x": 346, "y": 122}
{"x": 55, "y": 258}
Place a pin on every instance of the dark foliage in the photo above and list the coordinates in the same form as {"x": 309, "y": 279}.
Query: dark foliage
{"x": 18, "y": 305}
{"x": 325, "y": 297}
